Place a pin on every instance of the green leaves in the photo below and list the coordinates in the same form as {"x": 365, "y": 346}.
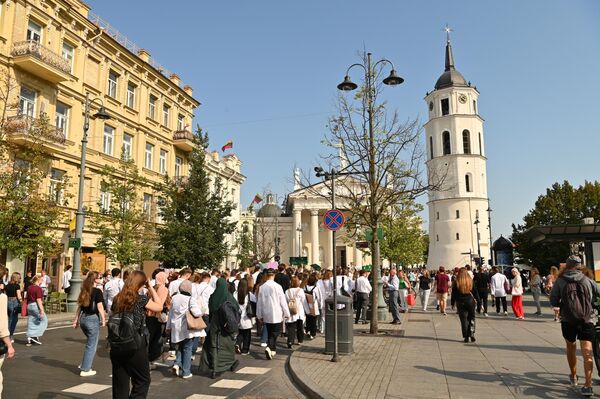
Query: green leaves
{"x": 404, "y": 241}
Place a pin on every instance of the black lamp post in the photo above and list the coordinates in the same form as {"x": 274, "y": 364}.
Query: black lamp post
{"x": 476, "y": 223}
{"x": 489, "y": 212}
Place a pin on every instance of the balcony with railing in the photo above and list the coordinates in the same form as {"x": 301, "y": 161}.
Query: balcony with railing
{"x": 41, "y": 61}
{"x": 25, "y": 128}
{"x": 184, "y": 140}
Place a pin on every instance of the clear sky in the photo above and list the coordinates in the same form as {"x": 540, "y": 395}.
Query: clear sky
{"x": 266, "y": 74}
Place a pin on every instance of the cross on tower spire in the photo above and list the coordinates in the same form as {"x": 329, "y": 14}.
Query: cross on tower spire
{"x": 447, "y": 29}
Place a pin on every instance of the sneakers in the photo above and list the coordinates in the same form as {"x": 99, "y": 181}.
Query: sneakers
{"x": 587, "y": 391}
{"x": 175, "y": 370}
{"x": 473, "y": 338}
{"x": 465, "y": 340}
{"x": 573, "y": 380}
{"x": 269, "y": 353}
{"x": 505, "y": 313}
{"x": 445, "y": 314}
{"x": 263, "y": 344}
{"x": 88, "y": 373}
{"x": 485, "y": 315}
{"x": 238, "y": 350}
{"x": 12, "y": 340}
{"x": 185, "y": 377}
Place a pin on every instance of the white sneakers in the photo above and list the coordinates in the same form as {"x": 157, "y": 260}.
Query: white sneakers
{"x": 175, "y": 370}
{"x": 270, "y": 354}
{"x": 88, "y": 373}
{"x": 263, "y": 344}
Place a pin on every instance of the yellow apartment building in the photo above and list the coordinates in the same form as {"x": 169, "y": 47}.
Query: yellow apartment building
{"x": 58, "y": 52}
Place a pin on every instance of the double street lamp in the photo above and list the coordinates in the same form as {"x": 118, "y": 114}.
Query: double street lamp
{"x": 347, "y": 85}
{"x": 476, "y": 223}
{"x": 76, "y": 277}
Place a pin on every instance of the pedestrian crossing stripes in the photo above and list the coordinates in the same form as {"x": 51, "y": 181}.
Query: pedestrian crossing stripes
{"x": 201, "y": 396}
{"x": 87, "y": 388}
{"x": 231, "y": 384}
{"x": 253, "y": 370}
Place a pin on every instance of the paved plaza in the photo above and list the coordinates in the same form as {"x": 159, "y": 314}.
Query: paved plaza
{"x": 424, "y": 357}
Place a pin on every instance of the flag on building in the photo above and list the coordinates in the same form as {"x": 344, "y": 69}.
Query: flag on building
{"x": 227, "y": 146}
{"x": 257, "y": 199}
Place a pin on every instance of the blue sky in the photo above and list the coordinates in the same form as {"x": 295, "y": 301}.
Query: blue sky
{"x": 266, "y": 74}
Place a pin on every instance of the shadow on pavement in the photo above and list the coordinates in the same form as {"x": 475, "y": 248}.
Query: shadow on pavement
{"x": 56, "y": 363}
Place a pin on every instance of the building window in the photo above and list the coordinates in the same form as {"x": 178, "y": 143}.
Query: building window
{"x": 21, "y": 169}
{"x": 477, "y": 213}
{"x": 104, "y": 198}
{"x": 131, "y": 95}
{"x": 34, "y": 32}
{"x": 147, "y": 207}
{"x": 127, "y": 146}
{"x": 474, "y": 107}
{"x": 56, "y": 191}
{"x": 109, "y": 138}
{"x": 166, "y": 110}
{"x": 480, "y": 151}
{"x": 27, "y": 102}
{"x": 152, "y": 106}
{"x": 430, "y": 147}
{"x": 178, "y": 166}
{"x": 437, "y": 237}
{"x": 466, "y": 141}
{"x": 457, "y": 236}
{"x": 445, "y": 106}
{"x": 67, "y": 53}
{"x": 180, "y": 122}
{"x": 162, "y": 162}
{"x": 112, "y": 84}
{"x": 468, "y": 183}
{"x": 437, "y": 216}
{"x": 149, "y": 155}
{"x": 62, "y": 118}
{"x": 446, "y": 142}
{"x": 457, "y": 214}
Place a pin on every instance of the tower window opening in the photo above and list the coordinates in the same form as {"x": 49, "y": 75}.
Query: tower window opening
{"x": 430, "y": 147}
{"x": 457, "y": 214}
{"x": 475, "y": 107}
{"x": 445, "y": 106}
{"x": 437, "y": 215}
{"x": 480, "y": 151}
{"x": 466, "y": 136}
{"x": 468, "y": 183}
{"x": 437, "y": 237}
{"x": 446, "y": 142}
{"x": 457, "y": 236}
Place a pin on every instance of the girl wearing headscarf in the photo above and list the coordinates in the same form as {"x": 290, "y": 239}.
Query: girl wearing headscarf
{"x": 155, "y": 321}
{"x": 218, "y": 350}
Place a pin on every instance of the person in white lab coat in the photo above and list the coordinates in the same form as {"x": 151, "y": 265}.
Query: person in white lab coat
{"x": 325, "y": 286}
{"x": 295, "y": 324}
{"x": 311, "y": 305}
{"x": 272, "y": 310}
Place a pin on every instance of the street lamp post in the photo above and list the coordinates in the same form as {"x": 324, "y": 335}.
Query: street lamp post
{"x": 489, "y": 211}
{"x": 79, "y": 215}
{"x": 476, "y": 223}
{"x": 299, "y": 230}
{"x": 347, "y": 85}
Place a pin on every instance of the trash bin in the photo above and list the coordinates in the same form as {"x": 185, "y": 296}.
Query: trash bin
{"x": 345, "y": 316}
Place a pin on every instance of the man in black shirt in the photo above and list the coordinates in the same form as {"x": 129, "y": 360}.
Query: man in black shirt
{"x": 481, "y": 281}
{"x": 282, "y": 278}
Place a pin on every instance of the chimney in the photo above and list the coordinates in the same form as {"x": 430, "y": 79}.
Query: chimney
{"x": 188, "y": 89}
{"x": 144, "y": 55}
{"x": 175, "y": 79}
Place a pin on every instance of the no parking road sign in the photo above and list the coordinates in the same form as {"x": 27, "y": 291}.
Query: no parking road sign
{"x": 333, "y": 219}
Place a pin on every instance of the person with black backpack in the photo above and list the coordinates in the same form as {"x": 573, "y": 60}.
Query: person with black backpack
{"x": 573, "y": 294}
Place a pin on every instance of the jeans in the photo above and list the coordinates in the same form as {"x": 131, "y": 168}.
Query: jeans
{"x": 295, "y": 330}
{"x": 482, "y": 301}
{"x": 536, "y": 291}
{"x": 14, "y": 308}
{"x": 243, "y": 339}
{"x": 402, "y": 293}
{"x": 273, "y": 330}
{"x": 362, "y": 302}
{"x": 264, "y": 334}
{"x": 183, "y": 356}
{"x": 466, "y": 314}
{"x": 394, "y": 305}
{"x": 498, "y": 299}
{"x": 134, "y": 368}
{"x": 90, "y": 325}
{"x": 424, "y": 297}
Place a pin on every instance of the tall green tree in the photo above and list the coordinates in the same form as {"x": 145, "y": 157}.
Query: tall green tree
{"x": 245, "y": 246}
{"x": 404, "y": 241}
{"x": 124, "y": 221}
{"x": 561, "y": 204}
{"x": 30, "y": 209}
{"x": 196, "y": 215}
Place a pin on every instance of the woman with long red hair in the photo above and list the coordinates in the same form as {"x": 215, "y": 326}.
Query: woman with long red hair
{"x": 133, "y": 367}
{"x": 464, "y": 296}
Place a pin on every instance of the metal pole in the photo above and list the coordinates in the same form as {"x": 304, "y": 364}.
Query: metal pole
{"x": 478, "y": 244}
{"x": 335, "y": 357}
{"x": 76, "y": 278}
{"x": 489, "y": 211}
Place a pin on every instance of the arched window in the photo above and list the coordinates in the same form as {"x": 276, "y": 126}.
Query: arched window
{"x": 430, "y": 147}
{"x": 446, "y": 142}
{"x": 466, "y": 142}
{"x": 468, "y": 183}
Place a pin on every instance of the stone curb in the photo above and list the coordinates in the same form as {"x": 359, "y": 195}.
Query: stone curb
{"x": 302, "y": 381}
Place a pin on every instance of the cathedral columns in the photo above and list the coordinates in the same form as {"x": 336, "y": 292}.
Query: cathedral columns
{"x": 297, "y": 244}
{"x": 314, "y": 235}
{"x": 357, "y": 256}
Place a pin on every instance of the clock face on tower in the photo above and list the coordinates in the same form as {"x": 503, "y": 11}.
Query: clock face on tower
{"x": 462, "y": 98}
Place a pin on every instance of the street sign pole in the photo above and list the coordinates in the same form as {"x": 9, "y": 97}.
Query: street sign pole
{"x": 335, "y": 357}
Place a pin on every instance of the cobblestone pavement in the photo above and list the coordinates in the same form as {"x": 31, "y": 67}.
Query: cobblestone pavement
{"x": 425, "y": 357}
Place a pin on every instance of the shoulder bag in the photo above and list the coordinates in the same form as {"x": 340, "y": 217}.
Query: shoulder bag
{"x": 194, "y": 323}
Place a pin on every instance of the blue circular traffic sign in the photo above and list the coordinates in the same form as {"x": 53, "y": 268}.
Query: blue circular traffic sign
{"x": 333, "y": 219}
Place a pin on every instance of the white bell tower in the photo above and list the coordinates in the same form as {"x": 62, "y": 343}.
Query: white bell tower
{"x": 455, "y": 149}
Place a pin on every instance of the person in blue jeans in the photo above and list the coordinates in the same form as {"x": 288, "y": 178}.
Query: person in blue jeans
{"x": 15, "y": 298}
{"x": 89, "y": 315}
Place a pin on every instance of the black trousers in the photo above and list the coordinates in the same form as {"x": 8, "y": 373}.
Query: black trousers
{"x": 498, "y": 299}
{"x": 273, "y": 331}
{"x": 362, "y": 302}
{"x": 155, "y": 339}
{"x": 311, "y": 325}
{"x": 134, "y": 368}
{"x": 243, "y": 339}
{"x": 482, "y": 301}
{"x": 466, "y": 314}
{"x": 295, "y": 331}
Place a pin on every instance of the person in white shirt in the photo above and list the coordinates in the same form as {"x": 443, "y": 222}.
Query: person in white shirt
{"x": 311, "y": 306}
{"x": 363, "y": 289}
{"x": 272, "y": 310}
{"x": 242, "y": 343}
{"x": 295, "y": 324}
{"x": 184, "y": 274}
{"x": 214, "y": 276}
{"x": 344, "y": 283}
{"x": 112, "y": 287}
{"x": 66, "y": 279}
{"x": 45, "y": 285}
{"x": 498, "y": 285}
{"x": 325, "y": 286}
